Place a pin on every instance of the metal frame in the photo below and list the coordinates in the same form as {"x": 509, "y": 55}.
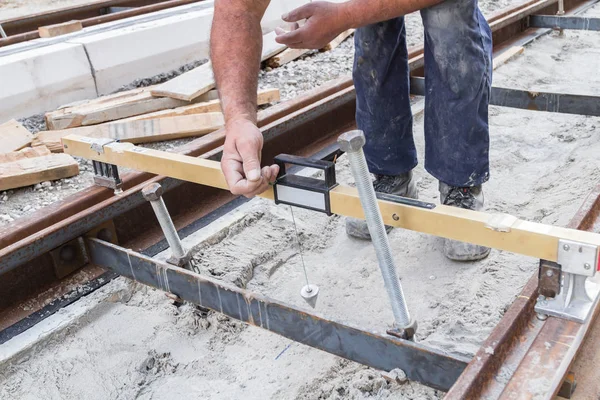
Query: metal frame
{"x": 562, "y": 22}
{"x": 531, "y": 100}
{"x": 383, "y": 352}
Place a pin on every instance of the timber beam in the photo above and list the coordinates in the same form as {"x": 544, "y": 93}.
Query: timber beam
{"x": 499, "y": 231}
{"x": 380, "y": 351}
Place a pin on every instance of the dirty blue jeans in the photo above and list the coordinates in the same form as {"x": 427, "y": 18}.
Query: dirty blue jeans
{"x": 458, "y": 74}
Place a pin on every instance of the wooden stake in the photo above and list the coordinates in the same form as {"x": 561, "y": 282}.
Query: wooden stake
{"x": 338, "y": 40}
{"x": 60, "y": 29}
{"x": 145, "y": 131}
{"x": 13, "y": 137}
{"x": 27, "y": 152}
{"x": 200, "y": 80}
{"x": 523, "y": 237}
{"x": 264, "y": 96}
{"x": 507, "y": 56}
{"x": 29, "y": 171}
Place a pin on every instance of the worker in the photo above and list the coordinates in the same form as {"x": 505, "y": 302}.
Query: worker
{"x": 458, "y": 73}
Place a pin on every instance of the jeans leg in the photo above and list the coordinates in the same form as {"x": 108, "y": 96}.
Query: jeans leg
{"x": 458, "y": 76}
{"x": 382, "y": 97}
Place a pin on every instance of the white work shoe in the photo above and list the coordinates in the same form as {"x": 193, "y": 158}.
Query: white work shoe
{"x": 400, "y": 185}
{"x": 470, "y": 198}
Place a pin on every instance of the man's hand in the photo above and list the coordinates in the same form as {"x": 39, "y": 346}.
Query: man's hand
{"x": 241, "y": 159}
{"x": 324, "y": 21}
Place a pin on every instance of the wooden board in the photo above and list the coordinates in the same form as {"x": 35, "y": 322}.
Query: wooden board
{"x": 13, "y": 137}
{"x": 29, "y": 171}
{"x": 285, "y": 57}
{"x": 522, "y": 237}
{"x": 200, "y": 80}
{"x": 60, "y": 29}
{"x": 27, "y": 152}
{"x": 108, "y": 108}
{"x": 145, "y": 131}
{"x": 264, "y": 96}
{"x": 507, "y": 56}
{"x": 338, "y": 40}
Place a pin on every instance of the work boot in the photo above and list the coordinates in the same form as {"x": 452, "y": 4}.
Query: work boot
{"x": 400, "y": 185}
{"x": 470, "y": 198}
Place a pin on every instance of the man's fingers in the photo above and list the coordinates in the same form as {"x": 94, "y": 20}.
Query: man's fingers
{"x": 251, "y": 161}
{"x": 299, "y": 13}
{"x": 292, "y": 37}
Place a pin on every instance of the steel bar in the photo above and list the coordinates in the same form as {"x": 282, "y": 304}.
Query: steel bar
{"x": 562, "y": 22}
{"x": 352, "y": 143}
{"x": 422, "y": 364}
{"x": 521, "y": 343}
{"x": 531, "y": 100}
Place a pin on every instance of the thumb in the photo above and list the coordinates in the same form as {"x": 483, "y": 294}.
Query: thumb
{"x": 299, "y": 13}
{"x": 251, "y": 162}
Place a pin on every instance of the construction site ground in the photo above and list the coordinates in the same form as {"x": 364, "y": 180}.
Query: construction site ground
{"x": 128, "y": 341}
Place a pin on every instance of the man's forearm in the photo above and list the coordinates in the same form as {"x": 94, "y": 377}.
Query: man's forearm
{"x": 360, "y": 13}
{"x": 236, "y": 44}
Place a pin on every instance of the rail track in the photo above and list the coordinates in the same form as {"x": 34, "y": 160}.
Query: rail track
{"x": 22, "y": 29}
{"x": 305, "y": 125}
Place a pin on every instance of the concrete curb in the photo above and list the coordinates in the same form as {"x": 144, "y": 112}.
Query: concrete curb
{"x": 44, "y": 74}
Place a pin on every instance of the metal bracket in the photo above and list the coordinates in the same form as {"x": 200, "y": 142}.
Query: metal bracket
{"x": 574, "y": 296}
{"x": 301, "y": 191}
{"x": 69, "y": 257}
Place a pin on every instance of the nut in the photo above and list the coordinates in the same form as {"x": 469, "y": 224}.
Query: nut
{"x": 152, "y": 192}
{"x": 352, "y": 141}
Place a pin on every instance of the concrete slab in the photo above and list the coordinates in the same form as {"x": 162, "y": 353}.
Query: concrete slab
{"x": 43, "y": 79}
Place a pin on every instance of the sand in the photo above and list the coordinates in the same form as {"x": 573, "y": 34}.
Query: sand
{"x": 136, "y": 344}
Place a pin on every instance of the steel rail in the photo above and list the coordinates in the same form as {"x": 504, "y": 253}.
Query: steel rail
{"x": 90, "y": 15}
{"x": 35, "y": 281}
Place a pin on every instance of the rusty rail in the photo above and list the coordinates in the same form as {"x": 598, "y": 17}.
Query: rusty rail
{"x": 25, "y": 28}
{"x": 301, "y": 126}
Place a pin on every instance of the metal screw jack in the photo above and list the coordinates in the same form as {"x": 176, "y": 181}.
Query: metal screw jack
{"x": 352, "y": 144}
{"x": 180, "y": 257}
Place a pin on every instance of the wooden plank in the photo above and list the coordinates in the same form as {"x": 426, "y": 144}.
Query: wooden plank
{"x": 29, "y": 171}
{"x": 188, "y": 86}
{"x": 338, "y": 40}
{"x": 264, "y": 96}
{"x": 285, "y": 57}
{"x": 27, "y": 152}
{"x": 527, "y": 238}
{"x": 200, "y": 80}
{"x": 109, "y": 108}
{"x": 145, "y": 131}
{"x": 13, "y": 136}
{"x": 507, "y": 56}
{"x": 60, "y": 29}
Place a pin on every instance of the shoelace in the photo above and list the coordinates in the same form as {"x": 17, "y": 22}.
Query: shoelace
{"x": 460, "y": 197}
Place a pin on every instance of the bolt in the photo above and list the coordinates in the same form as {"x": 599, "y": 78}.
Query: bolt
{"x": 105, "y": 234}
{"x": 566, "y": 247}
{"x": 67, "y": 253}
{"x": 587, "y": 266}
{"x": 152, "y": 192}
{"x": 549, "y": 273}
{"x": 352, "y": 143}
{"x": 395, "y": 217}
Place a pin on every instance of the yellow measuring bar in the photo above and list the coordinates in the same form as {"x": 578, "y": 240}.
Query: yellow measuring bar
{"x": 502, "y": 232}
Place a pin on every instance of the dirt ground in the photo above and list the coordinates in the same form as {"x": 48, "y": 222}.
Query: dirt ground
{"x": 127, "y": 341}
